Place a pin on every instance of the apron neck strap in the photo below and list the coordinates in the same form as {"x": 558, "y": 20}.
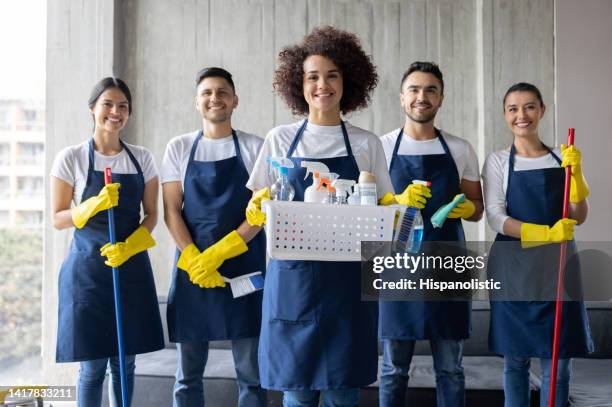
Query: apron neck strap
{"x": 92, "y": 167}
{"x": 512, "y": 160}
{"x": 298, "y": 135}
{"x": 194, "y": 146}
{"x": 399, "y": 141}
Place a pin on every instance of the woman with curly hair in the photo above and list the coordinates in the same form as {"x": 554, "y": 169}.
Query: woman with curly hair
{"x": 318, "y": 339}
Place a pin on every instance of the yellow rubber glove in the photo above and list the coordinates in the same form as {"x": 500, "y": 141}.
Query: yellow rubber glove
{"x": 535, "y": 235}
{"x": 212, "y": 280}
{"x": 254, "y": 215}
{"x": 120, "y": 252}
{"x": 414, "y": 195}
{"x": 212, "y": 258}
{"x": 108, "y": 197}
{"x": 187, "y": 256}
{"x": 463, "y": 210}
{"x": 579, "y": 189}
{"x": 387, "y": 199}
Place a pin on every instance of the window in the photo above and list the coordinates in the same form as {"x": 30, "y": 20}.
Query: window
{"x": 5, "y": 154}
{"x": 4, "y": 218}
{"x": 30, "y": 187}
{"x": 30, "y": 218}
{"x": 4, "y": 118}
{"x": 5, "y": 187}
{"x": 30, "y": 153}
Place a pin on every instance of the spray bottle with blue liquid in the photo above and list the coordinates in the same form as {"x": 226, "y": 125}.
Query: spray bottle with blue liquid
{"x": 410, "y": 234}
{"x": 281, "y": 190}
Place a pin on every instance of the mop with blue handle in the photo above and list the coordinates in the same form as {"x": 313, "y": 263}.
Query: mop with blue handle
{"x": 111, "y": 232}
{"x": 439, "y": 217}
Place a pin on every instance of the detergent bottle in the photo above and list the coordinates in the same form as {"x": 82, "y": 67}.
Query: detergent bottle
{"x": 342, "y": 189}
{"x": 314, "y": 193}
{"x": 367, "y": 188}
{"x": 281, "y": 190}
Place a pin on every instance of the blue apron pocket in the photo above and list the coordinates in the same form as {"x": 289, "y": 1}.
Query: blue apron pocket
{"x": 293, "y": 291}
{"x": 94, "y": 279}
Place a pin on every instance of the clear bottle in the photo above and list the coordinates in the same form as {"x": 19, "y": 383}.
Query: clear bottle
{"x": 416, "y": 234}
{"x": 410, "y": 234}
{"x": 282, "y": 190}
{"x": 355, "y": 197}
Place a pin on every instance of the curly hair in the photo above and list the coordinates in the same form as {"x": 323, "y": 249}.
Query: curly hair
{"x": 344, "y": 50}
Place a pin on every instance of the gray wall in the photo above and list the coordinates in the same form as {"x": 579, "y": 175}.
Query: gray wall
{"x": 483, "y": 46}
{"x": 584, "y": 58}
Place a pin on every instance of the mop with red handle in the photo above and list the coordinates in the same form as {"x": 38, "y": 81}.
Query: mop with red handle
{"x": 560, "y": 283}
{"x": 111, "y": 231}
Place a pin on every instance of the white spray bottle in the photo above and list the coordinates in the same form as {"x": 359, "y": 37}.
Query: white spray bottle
{"x": 343, "y": 188}
{"x": 355, "y": 197}
{"x": 314, "y": 193}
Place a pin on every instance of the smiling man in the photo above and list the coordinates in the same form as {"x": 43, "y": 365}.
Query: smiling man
{"x": 204, "y": 174}
{"x": 420, "y": 151}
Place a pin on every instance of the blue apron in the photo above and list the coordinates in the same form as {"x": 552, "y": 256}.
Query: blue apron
{"x": 215, "y": 198}
{"x": 86, "y": 323}
{"x": 520, "y": 328}
{"x": 316, "y": 332}
{"x": 411, "y": 320}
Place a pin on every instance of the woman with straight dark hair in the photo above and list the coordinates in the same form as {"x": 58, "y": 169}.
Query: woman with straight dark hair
{"x": 79, "y": 198}
{"x": 523, "y": 190}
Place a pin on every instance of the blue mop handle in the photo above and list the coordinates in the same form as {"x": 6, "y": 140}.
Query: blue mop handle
{"x": 111, "y": 232}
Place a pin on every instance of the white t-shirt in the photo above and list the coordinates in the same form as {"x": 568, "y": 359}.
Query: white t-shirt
{"x": 72, "y": 163}
{"x": 176, "y": 157}
{"x": 323, "y": 142}
{"x": 495, "y": 181}
{"x": 461, "y": 150}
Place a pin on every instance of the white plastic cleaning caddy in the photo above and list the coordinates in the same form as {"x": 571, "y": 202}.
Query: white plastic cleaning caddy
{"x": 324, "y": 232}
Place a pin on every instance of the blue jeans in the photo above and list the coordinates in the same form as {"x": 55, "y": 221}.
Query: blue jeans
{"x": 331, "y": 398}
{"x": 450, "y": 381}
{"x": 516, "y": 381}
{"x": 189, "y": 390}
{"x": 91, "y": 378}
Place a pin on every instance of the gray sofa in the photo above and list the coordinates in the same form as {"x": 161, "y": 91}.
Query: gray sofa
{"x": 591, "y": 385}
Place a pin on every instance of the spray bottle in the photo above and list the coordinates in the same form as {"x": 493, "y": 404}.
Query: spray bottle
{"x": 343, "y": 188}
{"x": 281, "y": 190}
{"x": 410, "y": 234}
{"x": 326, "y": 182}
{"x": 355, "y": 197}
{"x": 314, "y": 193}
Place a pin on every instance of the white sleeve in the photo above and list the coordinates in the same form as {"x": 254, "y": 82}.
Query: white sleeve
{"x": 171, "y": 163}
{"x": 63, "y": 166}
{"x": 388, "y": 146}
{"x": 149, "y": 169}
{"x": 494, "y": 196}
{"x": 260, "y": 177}
{"x": 471, "y": 169}
{"x": 380, "y": 169}
{"x": 250, "y": 146}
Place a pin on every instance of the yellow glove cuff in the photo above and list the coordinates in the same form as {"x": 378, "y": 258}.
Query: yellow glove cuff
{"x": 231, "y": 245}
{"x": 187, "y": 255}
{"x": 533, "y": 235}
{"x": 141, "y": 239}
{"x": 579, "y": 189}
{"x": 387, "y": 199}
